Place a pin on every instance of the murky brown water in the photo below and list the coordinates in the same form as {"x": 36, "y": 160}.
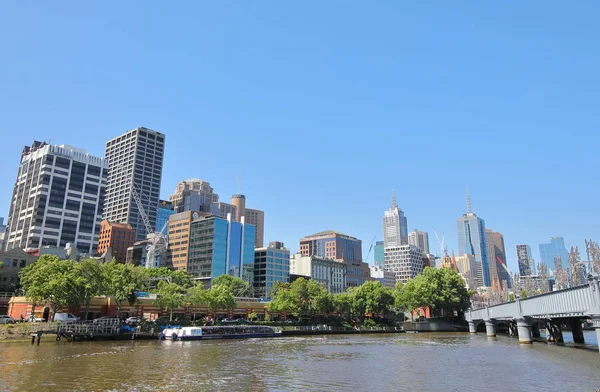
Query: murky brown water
{"x": 423, "y": 362}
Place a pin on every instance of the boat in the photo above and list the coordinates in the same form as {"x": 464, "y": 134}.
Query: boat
{"x": 217, "y": 332}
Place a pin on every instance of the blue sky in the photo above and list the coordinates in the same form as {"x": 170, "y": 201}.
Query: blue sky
{"x": 324, "y": 107}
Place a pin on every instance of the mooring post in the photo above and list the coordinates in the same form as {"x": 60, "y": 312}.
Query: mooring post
{"x": 39, "y": 338}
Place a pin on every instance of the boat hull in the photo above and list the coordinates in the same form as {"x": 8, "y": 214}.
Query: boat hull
{"x": 215, "y": 337}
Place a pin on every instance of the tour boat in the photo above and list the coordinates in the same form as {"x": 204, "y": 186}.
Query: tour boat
{"x": 217, "y": 332}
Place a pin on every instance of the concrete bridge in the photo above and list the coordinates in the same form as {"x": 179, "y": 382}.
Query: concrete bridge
{"x": 524, "y": 317}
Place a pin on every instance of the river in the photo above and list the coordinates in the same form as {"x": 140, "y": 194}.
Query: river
{"x": 395, "y": 362}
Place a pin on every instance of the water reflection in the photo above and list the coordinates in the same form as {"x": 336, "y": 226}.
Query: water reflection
{"x": 432, "y": 362}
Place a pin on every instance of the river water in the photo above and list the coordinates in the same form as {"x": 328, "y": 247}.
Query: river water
{"x": 395, "y": 362}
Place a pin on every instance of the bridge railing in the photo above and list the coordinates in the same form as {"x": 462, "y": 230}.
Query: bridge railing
{"x": 573, "y": 300}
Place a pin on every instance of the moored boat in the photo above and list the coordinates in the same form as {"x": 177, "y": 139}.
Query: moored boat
{"x": 217, "y": 332}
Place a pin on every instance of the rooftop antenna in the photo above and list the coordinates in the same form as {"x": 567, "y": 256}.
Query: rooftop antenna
{"x": 468, "y": 199}
{"x": 394, "y": 203}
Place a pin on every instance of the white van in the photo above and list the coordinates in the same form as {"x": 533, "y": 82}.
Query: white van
{"x": 65, "y": 317}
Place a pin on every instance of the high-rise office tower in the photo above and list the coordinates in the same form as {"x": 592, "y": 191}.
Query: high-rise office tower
{"x": 405, "y": 261}
{"x": 419, "y": 239}
{"x": 525, "y": 261}
{"x": 497, "y": 257}
{"x": 556, "y": 248}
{"x": 136, "y": 157}
{"x": 239, "y": 201}
{"x": 271, "y": 265}
{"x": 57, "y": 198}
{"x": 193, "y": 195}
{"x": 395, "y": 226}
{"x": 472, "y": 240}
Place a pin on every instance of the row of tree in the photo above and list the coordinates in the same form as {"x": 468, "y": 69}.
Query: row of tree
{"x": 440, "y": 290}
{"x": 67, "y": 283}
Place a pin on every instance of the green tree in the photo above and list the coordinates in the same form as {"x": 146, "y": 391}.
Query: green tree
{"x": 49, "y": 280}
{"x": 219, "y": 297}
{"x": 343, "y": 303}
{"x": 372, "y": 298}
{"x": 438, "y": 289}
{"x": 284, "y": 300}
{"x": 195, "y": 295}
{"x": 89, "y": 281}
{"x": 238, "y": 287}
{"x": 523, "y": 294}
{"x": 170, "y": 296}
{"x": 121, "y": 281}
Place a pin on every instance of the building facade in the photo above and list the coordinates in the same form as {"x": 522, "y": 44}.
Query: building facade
{"x": 271, "y": 265}
{"x": 165, "y": 210}
{"x": 472, "y": 240}
{"x": 419, "y": 239}
{"x": 220, "y": 246}
{"x": 193, "y": 195}
{"x": 330, "y": 273}
{"x": 405, "y": 262}
{"x": 378, "y": 253}
{"x": 116, "y": 236}
{"x": 134, "y": 159}
{"x": 57, "y": 198}
{"x": 13, "y": 261}
{"x": 332, "y": 245}
{"x": 525, "y": 260}
{"x": 386, "y": 278}
{"x": 467, "y": 267}
{"x": 179, "y": 239}
{"x": 257, "y": 219}
{"x": 395, "y": 226}
{"x": 550, "y": 251}
{"x": 497, "y": 257}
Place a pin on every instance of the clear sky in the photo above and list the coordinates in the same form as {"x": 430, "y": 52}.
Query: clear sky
{"x": 324, "y": 107}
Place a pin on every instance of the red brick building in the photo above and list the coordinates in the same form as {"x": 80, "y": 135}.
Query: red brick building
{"x": 116, "y": 236}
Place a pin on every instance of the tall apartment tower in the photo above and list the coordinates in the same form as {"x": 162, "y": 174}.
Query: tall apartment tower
{"x": 57, "y": 198}
{"x": 472, "y": 240}
{"x": 395, "y": 226}
{"x": 526, "y": 267}
{"x": 419, "y": 239}
{"x": 136, "y": 157}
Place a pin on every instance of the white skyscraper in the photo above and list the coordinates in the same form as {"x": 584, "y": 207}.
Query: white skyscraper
{"x": 420, "y": 239}
{"x": 136, "y": 156}
{"x": 57, "y": 198}
{"x": 395, "y": 226}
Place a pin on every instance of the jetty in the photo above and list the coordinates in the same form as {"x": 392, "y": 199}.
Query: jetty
{"x": 101, "y": 329}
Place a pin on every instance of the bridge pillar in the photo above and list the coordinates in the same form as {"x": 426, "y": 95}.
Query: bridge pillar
{"x": 535, "y": 330}
{"x": 577, "y": 330}
{"x": 472, "y": 327}
{"x": 490, "y": 328}
{"x": 553, "y": 332}
{"x": 524, "y": 330}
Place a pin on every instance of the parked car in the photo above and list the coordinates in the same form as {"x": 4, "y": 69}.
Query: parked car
{"x": 65, "y": 317}
{"x": 32, "y": 319}
{"x": 6, "y": 320}
{"x": 132, "y": 320}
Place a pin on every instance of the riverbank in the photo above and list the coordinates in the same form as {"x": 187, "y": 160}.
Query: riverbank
{"x": 16, "y": 332}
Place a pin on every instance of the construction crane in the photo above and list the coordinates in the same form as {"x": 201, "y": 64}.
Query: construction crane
{"x": 157, "y": 241}
{"x": 366, "y": 260}
{"x": 443, "y": 249}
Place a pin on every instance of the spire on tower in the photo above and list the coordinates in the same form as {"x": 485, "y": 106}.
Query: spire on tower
{"x": 394, "y": 203}
{"x": 468, "y": 200}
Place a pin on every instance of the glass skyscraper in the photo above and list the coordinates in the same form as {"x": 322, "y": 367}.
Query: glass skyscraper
{"x": 165, "y": 209}
{"x": 271, "y": 265}
{"x": 556, "y": 248}
{"x": 220, "y": 246}
{"x": 472, "y": 240}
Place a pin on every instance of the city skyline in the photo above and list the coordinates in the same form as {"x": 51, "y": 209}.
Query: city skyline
{"x": 512, "y": 259}
{"x": 329, "y": 98}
